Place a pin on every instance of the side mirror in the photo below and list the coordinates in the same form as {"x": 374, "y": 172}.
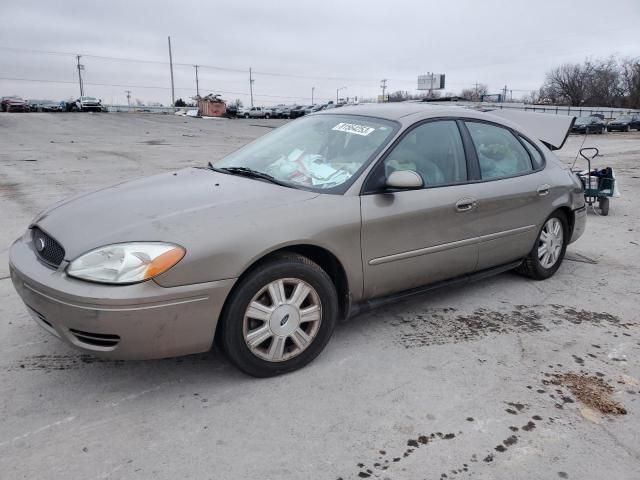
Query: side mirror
{"x": 404, "y": 180}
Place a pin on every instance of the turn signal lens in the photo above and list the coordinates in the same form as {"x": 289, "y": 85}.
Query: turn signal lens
{"x": 164, "y": 262}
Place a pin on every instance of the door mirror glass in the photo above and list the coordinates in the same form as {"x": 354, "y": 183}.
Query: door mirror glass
{"x": 404, "y": 180}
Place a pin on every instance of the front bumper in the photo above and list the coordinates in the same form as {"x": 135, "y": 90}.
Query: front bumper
{"x": 579, "y": 223}
{"x": 140, "y": 321}
{"x": 612, "y": 128}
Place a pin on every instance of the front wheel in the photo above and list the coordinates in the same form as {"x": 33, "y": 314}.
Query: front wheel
{"x": 547, "y": 253}
{"x": 246, "y": 115}
{"x": 628, "y": 129}
{"x": 280, "y": 316}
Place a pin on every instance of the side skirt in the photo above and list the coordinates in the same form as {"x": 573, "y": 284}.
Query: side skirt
{"x": 367, "y": 305}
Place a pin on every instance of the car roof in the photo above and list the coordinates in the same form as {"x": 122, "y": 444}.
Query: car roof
{"x": 396, "y": 111}
{"x": 552, "y": 130}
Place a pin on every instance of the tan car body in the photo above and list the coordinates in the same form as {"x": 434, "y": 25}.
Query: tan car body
{"x": 374, "y": 246}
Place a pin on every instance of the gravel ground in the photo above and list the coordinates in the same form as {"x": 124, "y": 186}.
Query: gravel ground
{"x": 459, "y": 383}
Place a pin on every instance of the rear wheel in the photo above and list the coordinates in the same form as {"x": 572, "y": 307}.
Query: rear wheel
{"x": 246, "y": 115}
{"x": 280, "y": 317}
{"x": 547, "y": 253}
{"x": 628, "y": 129}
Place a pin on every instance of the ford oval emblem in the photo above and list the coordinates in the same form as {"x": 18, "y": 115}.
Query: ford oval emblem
{"x": 40, "y": 244}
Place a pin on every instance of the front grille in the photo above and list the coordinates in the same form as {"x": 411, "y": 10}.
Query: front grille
{"x": 49, "y": 250}
{"x": 96, "y": 339}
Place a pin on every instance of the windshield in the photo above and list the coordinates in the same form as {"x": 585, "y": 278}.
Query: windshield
{"x": 624, "y": 118}
{"x": 583, "y": 120}
{"x": 320, "y": 152}
{"x": 88, "y": 99}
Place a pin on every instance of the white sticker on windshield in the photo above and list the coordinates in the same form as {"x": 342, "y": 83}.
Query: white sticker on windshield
{"x": 353, "y": 128}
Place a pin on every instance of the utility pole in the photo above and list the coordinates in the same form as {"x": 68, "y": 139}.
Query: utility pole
{"x": 337, "y": 93}
{"x": 80, "y": 68}
{"x": 251, "y": 85}
{"x": 477, "y": 98}
{"x": 312, "y": 90}
{"x": 128, "y": 97}
{"x": 197, "y": 84}
{"x": 383, "y": 86}
{"x": 504, "y": 96}
{"x": 173, "y": 92}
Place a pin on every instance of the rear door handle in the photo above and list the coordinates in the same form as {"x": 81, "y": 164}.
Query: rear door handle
{"x": 543, "y": 190}
{"x": 465, "y": 204}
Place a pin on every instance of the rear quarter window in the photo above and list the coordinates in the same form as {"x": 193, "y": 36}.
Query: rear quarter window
{"x": 536, "y": 156}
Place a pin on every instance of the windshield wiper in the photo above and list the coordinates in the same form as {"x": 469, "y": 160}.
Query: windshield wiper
{"x": 215, "y": 169}
{"x": 251, "y": 173}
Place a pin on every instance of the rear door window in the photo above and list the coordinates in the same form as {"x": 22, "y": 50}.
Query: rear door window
{"x": 500, "y": 154}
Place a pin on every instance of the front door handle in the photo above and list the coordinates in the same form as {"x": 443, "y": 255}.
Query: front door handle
{"x": 543, "y": 190}
{"x": 465, "y": 204}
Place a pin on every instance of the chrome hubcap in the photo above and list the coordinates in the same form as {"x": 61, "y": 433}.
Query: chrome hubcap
{"x": 550, "y": 243}
{"x": 282, "y": 319}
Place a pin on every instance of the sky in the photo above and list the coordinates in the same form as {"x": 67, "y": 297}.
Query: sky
{"x": 294, "y": 46}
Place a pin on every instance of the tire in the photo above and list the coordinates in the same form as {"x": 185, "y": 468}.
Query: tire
{"x": 278, "y": 346}
{"x": 246, "y": 115}
{"x": 603, "y": 203}
{"x": 532, "y": 266}
{"x": 267, "y": 116}
{"x": 628, "y": 129}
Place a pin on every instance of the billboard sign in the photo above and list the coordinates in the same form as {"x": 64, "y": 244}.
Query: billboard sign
{"x": 431, "y": 81}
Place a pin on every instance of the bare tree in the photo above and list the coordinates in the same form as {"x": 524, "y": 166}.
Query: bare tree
{"x": 398, "y": 96}
{"x": 601, "y": 82}
{"x": 630, "y": 82}
{"x": 476, "y": 93}
{"x": 567, "y": 83}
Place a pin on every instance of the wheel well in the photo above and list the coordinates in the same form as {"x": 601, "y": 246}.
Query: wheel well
{"x": 570, "y": 216}
{"x": 324, "y": 258}
{"x": 329, "y": 263}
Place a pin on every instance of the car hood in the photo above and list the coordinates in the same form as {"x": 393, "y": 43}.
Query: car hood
{"x": 166, "y": 207}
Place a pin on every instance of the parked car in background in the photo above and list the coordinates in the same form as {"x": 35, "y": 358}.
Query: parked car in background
{"x": 297, "y": 111}
{"x": 52, "y": 107}
{"x": 313, "y": 222}
{"x": 313, "y": 109}
{"x": 589, "y": 125}
{"x": 231, "y": 111}
{"x": 258, "y": 112}
{"x": 14, "y": 104}
{"x": 88, "y": 104}
{"x": 625, "y": 123}
{"x": 276, "y": 111}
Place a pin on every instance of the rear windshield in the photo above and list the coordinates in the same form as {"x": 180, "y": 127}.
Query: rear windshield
{"x": 623, "y": 118}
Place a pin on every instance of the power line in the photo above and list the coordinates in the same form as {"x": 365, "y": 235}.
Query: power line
{"x": 212, "y": 67}
{"x": 152, "y": 87}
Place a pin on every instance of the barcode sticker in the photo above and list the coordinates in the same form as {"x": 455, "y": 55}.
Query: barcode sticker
{"x": 353, "y": 128}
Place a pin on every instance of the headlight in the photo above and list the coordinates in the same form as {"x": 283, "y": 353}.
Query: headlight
{"x": 126, "y": 262}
